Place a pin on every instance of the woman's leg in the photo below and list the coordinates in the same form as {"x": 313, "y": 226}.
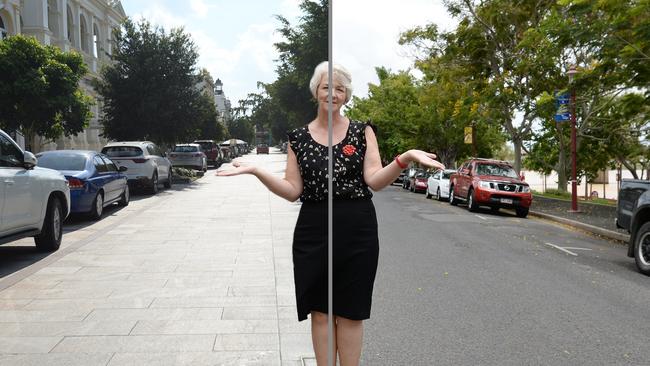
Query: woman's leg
{"x": 319, "y": 337}
{"x": 349, "y": 338}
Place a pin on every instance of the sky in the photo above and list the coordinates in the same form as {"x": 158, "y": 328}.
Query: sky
{"x": 235, "y": 38}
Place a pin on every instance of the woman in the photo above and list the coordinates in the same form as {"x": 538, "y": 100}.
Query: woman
{"x": 357, "y": 167}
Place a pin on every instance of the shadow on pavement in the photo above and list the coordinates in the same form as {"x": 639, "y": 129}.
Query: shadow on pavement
{"x": 15, "y": 258}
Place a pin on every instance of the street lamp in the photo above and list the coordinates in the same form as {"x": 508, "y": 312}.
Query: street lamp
{"x": 574, "y": 189}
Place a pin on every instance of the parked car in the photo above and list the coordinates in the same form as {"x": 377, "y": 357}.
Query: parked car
{"x": 410, "y": 172}
{"x": 212, "y": 151}
{"x": 438, "y": 183}
{"x": 34, "y": 201}
{"x": 95, "y": 181}
{"x": 633, "y": 214}
{"x": 493, "y": 183}
{"x": 418, "y": 182}
{"x": 189, "y": 156}
{"x": 146, "y": 163}
{"x": 262, "y": 149}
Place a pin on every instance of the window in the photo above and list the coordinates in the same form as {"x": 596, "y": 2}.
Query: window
{"x": 10, "y": 155}
{"x": 62, "y": 161}
{"x": 96, "y": 43}
{"x": 110, "y": 165}
{"x": 446, "y": 175}
{"x": 496, "y": 170}
{"x": 122, "y": 151}
{"x": 100, "y": 165}
{"x": 70, "y": 25}
{"x": 185, "y": 148}
{"x": 3, "y": 29}
{"x": 84, "y": 33}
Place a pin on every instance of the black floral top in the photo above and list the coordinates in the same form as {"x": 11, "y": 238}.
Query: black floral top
{"x": 348, "y": 164}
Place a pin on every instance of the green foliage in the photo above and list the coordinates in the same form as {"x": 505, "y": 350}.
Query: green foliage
{"x": 39, "y": 89}
{"x": 241, "y": 128}
{"x": 149, "y": 91}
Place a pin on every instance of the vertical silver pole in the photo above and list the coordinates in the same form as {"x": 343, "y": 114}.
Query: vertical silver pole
{"x": 331, "y": 356}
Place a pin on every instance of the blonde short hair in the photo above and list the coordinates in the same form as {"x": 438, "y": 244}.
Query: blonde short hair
{"x": 338, "y": 71}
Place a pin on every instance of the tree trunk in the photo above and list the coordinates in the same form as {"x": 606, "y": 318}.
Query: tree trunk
{"x": 517, "y": 144}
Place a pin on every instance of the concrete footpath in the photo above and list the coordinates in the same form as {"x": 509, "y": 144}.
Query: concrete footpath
{"x": 197, "y": 275}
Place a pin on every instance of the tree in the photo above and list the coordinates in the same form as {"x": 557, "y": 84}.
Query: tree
{"x": 39, "y": 90}
{"x": 304, "y": 47}
{"x": 149, "y": 91}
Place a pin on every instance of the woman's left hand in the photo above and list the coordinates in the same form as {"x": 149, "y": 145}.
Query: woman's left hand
{"x": 424, "y": 158}
{"x": 239, "y": 169}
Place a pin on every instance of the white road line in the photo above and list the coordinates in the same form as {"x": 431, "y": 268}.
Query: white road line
{"x": 480, "y": 217}
{"x": 562, "y": 249}
{"x": 575, "y": 248}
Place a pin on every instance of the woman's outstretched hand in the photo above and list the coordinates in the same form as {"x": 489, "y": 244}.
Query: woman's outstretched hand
{"x": 238, "y": 169}
{"x": 424, "y": 158}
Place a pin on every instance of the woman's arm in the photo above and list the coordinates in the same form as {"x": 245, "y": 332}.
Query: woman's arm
{"x": 377, "y": 177}
{"x": 289, "y": 187}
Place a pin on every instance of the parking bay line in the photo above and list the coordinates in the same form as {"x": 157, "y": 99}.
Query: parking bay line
{"x": 566, "y": 249}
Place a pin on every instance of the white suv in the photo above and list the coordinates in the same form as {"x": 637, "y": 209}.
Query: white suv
{"x": 146, "y": 163}
{"x": 33, "y": 201}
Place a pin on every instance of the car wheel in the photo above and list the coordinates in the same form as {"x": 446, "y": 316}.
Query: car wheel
{"x": 49, "y": 239}
{"x": 168, "y": 182}
{"x": 98, "y": 206}
{"x": 153, "y": 189}
{"x": 471, "y": 201}
{"x": 125, "y": 198}
{"x": 452, "y": 198}
{"x": 642, "y": 249}
{"x": 521, "y": 212}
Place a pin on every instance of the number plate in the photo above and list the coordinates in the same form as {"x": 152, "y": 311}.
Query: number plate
{"x": 506, "y": 201}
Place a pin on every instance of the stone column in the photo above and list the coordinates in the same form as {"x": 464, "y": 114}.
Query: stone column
{"x": 35, "y": 20}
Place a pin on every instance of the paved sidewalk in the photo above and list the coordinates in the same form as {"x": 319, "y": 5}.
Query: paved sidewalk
{"x": 594, "y": 218}
{"x": 197, "y": 275}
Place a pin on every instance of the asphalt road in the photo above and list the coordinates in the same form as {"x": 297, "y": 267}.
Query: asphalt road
{"x": 461, "y": 288}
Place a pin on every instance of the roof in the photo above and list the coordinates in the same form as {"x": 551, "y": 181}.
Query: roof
{"x": 79, "y": 152}
{"x": 126, "y": 143}
{"x": 192, "y": 144}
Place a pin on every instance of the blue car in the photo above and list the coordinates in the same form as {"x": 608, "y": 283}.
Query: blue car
{"x": 95, "y": 180}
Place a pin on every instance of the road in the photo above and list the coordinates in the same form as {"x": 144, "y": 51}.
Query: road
{"x": 202, "y": 275}
{"x": 462, "y": 288}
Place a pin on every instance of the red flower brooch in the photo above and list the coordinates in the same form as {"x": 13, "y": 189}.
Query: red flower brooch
{"x": 349, "y": 150}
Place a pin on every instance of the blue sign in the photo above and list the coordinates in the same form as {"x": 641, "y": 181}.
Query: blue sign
{"x": 562, "y": 113}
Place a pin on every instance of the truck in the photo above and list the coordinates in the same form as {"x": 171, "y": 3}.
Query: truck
{"x": 633, "y": 215}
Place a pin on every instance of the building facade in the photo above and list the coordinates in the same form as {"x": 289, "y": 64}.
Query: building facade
{"x": 223, "y": 103}
{"x": 85, "y": 26}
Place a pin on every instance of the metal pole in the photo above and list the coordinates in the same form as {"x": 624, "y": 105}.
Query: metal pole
{"x": 331, "y": 354}
{"x": 574, "y": 156}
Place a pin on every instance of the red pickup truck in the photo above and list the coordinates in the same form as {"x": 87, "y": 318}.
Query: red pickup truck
{"x": 493, "y": 183}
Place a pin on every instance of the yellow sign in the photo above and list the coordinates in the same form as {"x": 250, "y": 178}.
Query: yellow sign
{"x": 468, "y": 135}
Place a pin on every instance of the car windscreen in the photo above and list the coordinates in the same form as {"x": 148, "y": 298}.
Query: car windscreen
{"x": 62, "y": 161}
{"x": 184, "y": 149}
{"x": 446, "y": 175}
{"x": 497, "y": 170}
{"x": 122, "y": 151}
{"x": 205, "y": 145}
{"x": 421, "y": 175}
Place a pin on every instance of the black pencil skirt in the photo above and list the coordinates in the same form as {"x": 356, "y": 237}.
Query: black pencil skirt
{"x": 355, "y": 256}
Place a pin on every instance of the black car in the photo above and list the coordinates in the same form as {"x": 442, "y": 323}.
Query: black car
{"x": 400, "y": 179}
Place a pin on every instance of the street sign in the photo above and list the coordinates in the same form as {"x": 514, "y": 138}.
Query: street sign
{"x": 468, "y": 135}
{"x": 562, "y": 113}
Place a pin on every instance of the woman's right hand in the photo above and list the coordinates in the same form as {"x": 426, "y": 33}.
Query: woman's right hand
{"x": 238, "y": 169}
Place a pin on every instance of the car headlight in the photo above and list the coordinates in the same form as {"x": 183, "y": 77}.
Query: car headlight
{"x": 485, "y": 184}
{"x": 525, "y": 189}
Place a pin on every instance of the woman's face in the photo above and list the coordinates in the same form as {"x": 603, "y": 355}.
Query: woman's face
{"x": 338, "y": 93}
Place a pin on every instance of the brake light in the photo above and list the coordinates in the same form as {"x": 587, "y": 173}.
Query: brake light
{"x": 139, "y": 160}
{"x": 75, "y": 183}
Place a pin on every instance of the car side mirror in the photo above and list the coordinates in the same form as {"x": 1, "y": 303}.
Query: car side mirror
{"x": 29, "y": 160}
{"x": 123, "y": 168}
